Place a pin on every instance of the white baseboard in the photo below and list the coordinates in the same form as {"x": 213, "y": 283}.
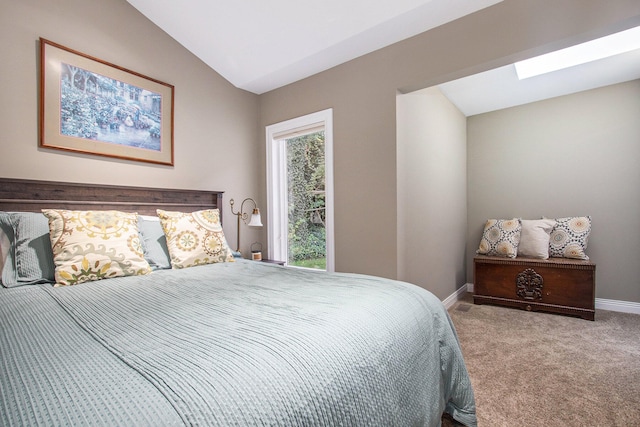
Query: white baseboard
{"x": 454, "y": 297}
{"x": 601, "y": 303}
{"x": 616, "y": 305}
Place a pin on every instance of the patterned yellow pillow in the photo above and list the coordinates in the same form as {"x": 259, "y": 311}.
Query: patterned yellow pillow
{"x": 195, "y": 238}
{"x": 94, "y": 245}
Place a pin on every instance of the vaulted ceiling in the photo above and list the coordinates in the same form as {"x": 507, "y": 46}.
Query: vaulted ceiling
{"x": 262, "y": 45}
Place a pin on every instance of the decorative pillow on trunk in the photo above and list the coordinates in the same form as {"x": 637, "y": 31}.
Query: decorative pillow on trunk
{"x": 534, "y": 238}
{"x": 501, "y": 237}
{"x": 569, "y": 237}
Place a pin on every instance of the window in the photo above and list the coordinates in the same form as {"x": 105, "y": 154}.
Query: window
{"x": 300, "y": 191}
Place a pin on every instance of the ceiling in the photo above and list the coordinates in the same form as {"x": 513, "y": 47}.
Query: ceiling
{"x": 261, "y": 45}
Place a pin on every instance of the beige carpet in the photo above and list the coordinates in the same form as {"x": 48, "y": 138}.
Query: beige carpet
{"x": 537, "y": 369}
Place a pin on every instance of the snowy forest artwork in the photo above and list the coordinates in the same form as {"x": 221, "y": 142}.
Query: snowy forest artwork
{"x": 95, "y": 107}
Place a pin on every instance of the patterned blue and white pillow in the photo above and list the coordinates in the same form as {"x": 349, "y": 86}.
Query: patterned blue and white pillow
{"x": 569, "y": 237}
{"x": 500, "y": 237}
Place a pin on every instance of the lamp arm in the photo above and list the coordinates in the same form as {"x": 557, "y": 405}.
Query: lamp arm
{"x": 241, "y": 214}
{"x": 245, "y": 215}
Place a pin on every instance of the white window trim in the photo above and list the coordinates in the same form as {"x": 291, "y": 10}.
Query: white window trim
{"x": 277, "y": 219}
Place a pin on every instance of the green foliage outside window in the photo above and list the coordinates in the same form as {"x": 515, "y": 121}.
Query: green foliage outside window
{"x": 306, "y": 184}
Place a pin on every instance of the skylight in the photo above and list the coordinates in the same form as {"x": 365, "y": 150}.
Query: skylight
{"x": 593, "y": 50}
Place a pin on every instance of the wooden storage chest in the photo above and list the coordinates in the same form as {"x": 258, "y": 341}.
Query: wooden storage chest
{"x": 556, "y": 285}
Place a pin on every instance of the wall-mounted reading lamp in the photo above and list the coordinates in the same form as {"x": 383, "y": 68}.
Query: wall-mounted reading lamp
{"x": 255, "y": 220}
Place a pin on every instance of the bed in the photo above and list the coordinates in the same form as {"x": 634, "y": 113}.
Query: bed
{"x": 237, "y": 342}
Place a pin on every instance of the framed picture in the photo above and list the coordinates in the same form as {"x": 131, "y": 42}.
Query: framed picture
{"x": 91, "y": 106}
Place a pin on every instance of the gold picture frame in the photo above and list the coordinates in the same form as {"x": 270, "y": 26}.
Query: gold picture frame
{"x": 92, "y": 106}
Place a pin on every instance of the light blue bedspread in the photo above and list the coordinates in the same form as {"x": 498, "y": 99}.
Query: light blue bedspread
{"x": 241, "y": 344}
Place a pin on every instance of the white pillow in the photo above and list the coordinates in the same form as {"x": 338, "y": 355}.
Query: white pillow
{"x": 534, "y": 238}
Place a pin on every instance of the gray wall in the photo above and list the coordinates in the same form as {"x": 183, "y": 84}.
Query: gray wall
{"x": 432, "y": 191}
{"x": 219, "y": 130}
{"x": 569, "y": 156}
{"x": 363, "y": 92}
{"x": 215, "y": 126}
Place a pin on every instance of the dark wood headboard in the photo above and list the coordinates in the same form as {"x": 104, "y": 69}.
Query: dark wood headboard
{"x": 23, "y": 195}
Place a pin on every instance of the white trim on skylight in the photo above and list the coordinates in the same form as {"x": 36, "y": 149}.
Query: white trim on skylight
{"x": 614, "y": 44}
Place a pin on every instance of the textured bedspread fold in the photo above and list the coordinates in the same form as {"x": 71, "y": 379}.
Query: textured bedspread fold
{"x": 52, "y": 373}
{"x": 253, "y": 344}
